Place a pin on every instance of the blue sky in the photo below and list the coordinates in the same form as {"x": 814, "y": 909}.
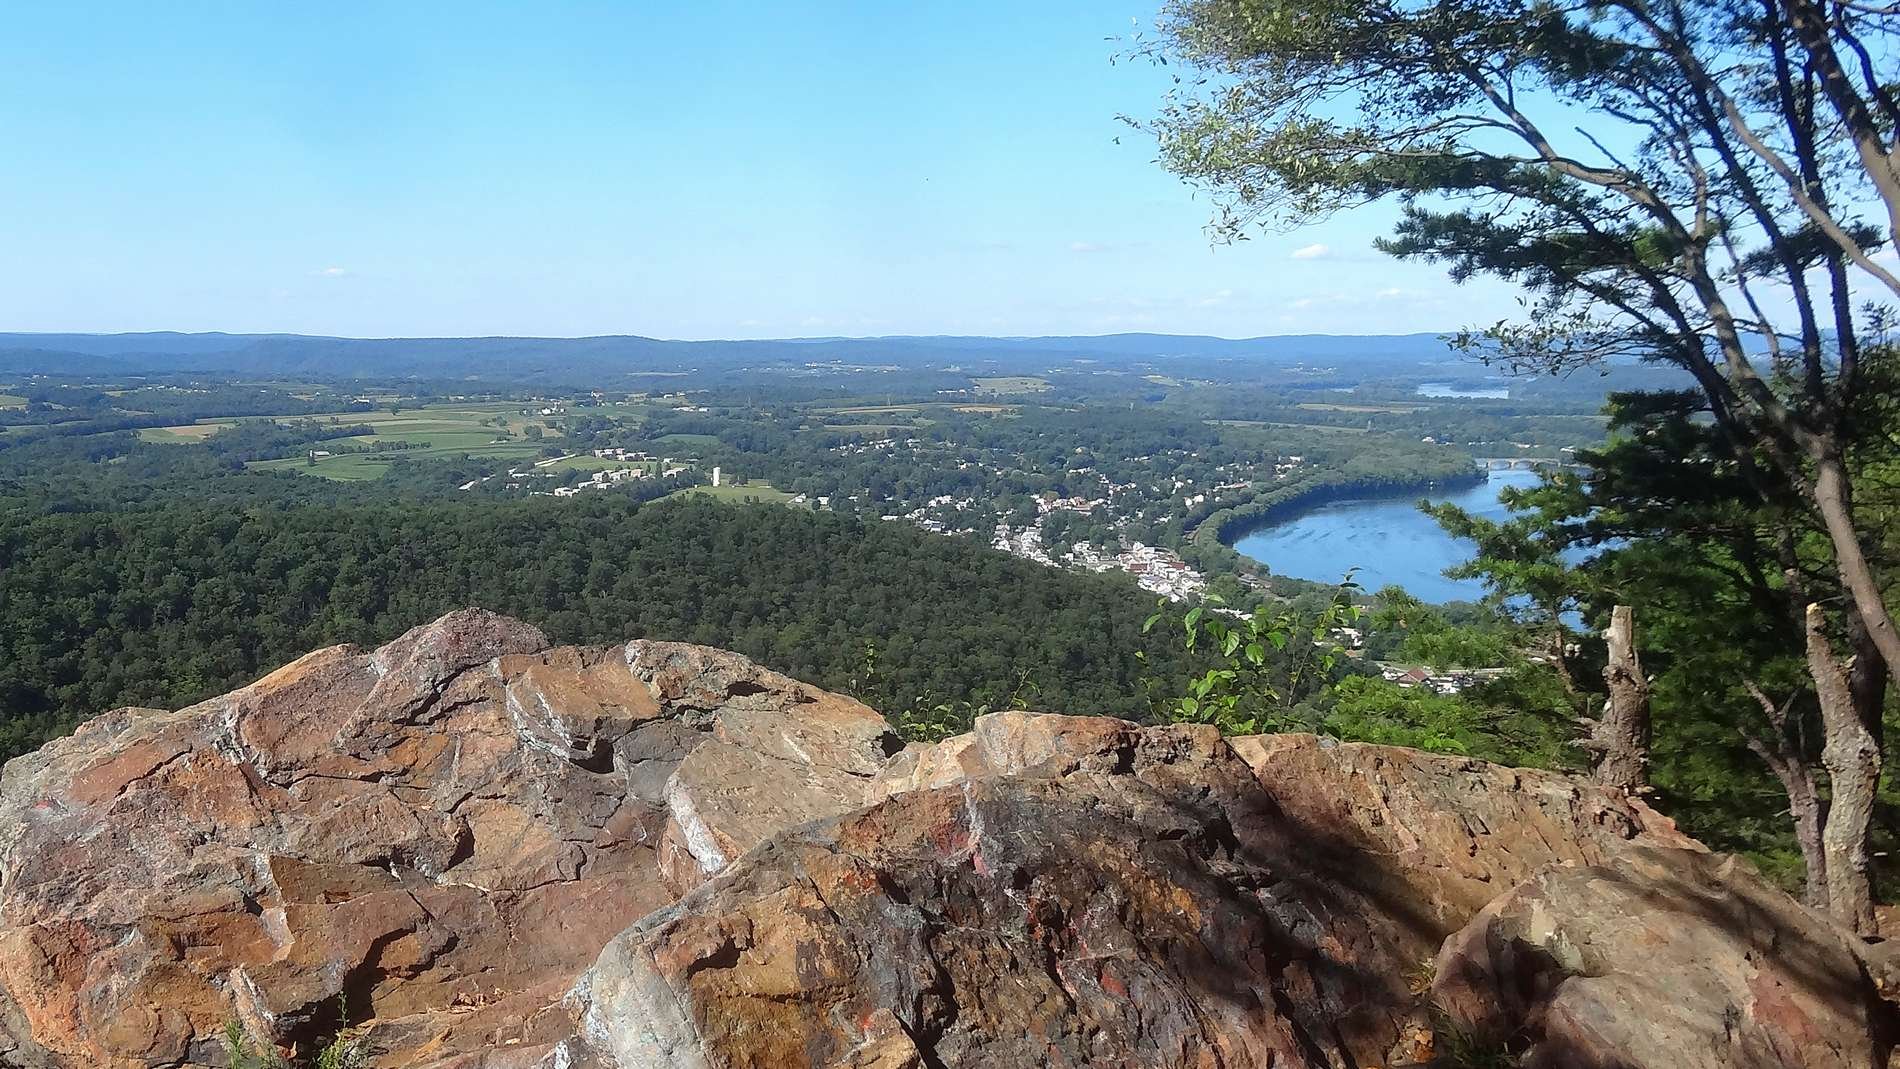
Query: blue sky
{"x": 727, "y": 170}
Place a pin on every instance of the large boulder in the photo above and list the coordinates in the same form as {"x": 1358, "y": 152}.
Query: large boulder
{"x": 1445, "y": 835}
{"x": 1072, "y": 891}
{"x": 1659, "y": 957}
{"x": 480, "y": 852}
{"x": 438, "y": 836}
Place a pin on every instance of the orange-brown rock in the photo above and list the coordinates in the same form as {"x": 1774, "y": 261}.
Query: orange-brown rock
{"x": 438, "y": 836}
{"x": 1445, "y": 834}
{"x": 1660, "y": 957}
{"x": 1069, "y": 891}
{"x": 487, "y": 853}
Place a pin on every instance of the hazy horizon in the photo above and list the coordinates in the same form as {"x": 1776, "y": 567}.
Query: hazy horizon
{"x": 781, "y": 338}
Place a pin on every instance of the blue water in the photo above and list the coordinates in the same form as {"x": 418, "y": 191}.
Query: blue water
{"x": 1386, "y": 538}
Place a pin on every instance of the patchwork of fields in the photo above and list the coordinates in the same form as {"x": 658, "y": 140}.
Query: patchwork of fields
{"x": 432, "y": 432}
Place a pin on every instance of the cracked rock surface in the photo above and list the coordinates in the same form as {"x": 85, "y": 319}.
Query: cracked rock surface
{"x": 487, "y": 853}
{"x": 438, "y": 835}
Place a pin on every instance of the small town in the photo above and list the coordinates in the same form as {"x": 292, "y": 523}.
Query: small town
{"x": 1155, "y": 569}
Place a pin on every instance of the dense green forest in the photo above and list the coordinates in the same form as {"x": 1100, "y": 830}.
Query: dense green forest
{"x": 167, "y": 605}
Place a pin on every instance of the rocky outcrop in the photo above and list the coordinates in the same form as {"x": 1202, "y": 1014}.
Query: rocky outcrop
{"x": 1071, "y": 891}
{"x": 438, "y": 836}
{"x": 486, "y": 853}
{"x": 1445, "y": 834}
{"x": 1659, "y": 957}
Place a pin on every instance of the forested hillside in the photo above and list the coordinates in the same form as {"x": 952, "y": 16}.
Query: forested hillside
{"x": 172, "y": 604}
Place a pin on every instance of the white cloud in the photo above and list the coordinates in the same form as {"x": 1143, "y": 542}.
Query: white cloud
{"x": 1215, "y": 299}
{"x": 1086, "y": 246}
{"x": 1310, "y": 252}
{"x": 333, "y": 272}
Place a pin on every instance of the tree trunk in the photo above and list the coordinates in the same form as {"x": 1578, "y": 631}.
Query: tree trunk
{"x": 1851, "y": 754}
{"x": 1831, "y": 498}
{"x": 1623, "y": 733}
{"x": 1784, "y": 750}
{"x": 1559, "y": 658}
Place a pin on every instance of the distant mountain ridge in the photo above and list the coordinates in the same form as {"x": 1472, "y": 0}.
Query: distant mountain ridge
{"x": 173, "y": 352}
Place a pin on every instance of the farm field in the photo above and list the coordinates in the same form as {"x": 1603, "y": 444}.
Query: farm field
{"x": 12, "y": 400}
{"x": 189, "y": 432}
{"x": 764, "y": 492}
{"x": 868, "y": 428}
{"x": 426, "y": 433}
{"x": 354, "y": 467}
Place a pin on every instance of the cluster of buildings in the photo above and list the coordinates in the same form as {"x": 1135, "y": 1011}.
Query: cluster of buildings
{"x": 602, "y": 480}
{"x": 1026, "y": 543}
{"x": 605, "y": 479}
{"x": 1437, "y": 680}
{"x": 1050, "y": 503}
{"x": 1155, "y": 569}
{"x": 874, "y": 445}
{"x": 922, "y": 517}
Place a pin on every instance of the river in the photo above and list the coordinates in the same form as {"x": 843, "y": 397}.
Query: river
{"x": 1386, "y": 538}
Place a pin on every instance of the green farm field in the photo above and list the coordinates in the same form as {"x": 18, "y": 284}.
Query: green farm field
{"x": 763, "y": 492}
{"x": 425, "y": 433}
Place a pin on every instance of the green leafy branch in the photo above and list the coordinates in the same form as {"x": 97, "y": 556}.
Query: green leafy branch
{"x": 1265, "y": 662}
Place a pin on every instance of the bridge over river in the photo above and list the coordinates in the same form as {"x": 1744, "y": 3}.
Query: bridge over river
{"x": 1524, "y": 463}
